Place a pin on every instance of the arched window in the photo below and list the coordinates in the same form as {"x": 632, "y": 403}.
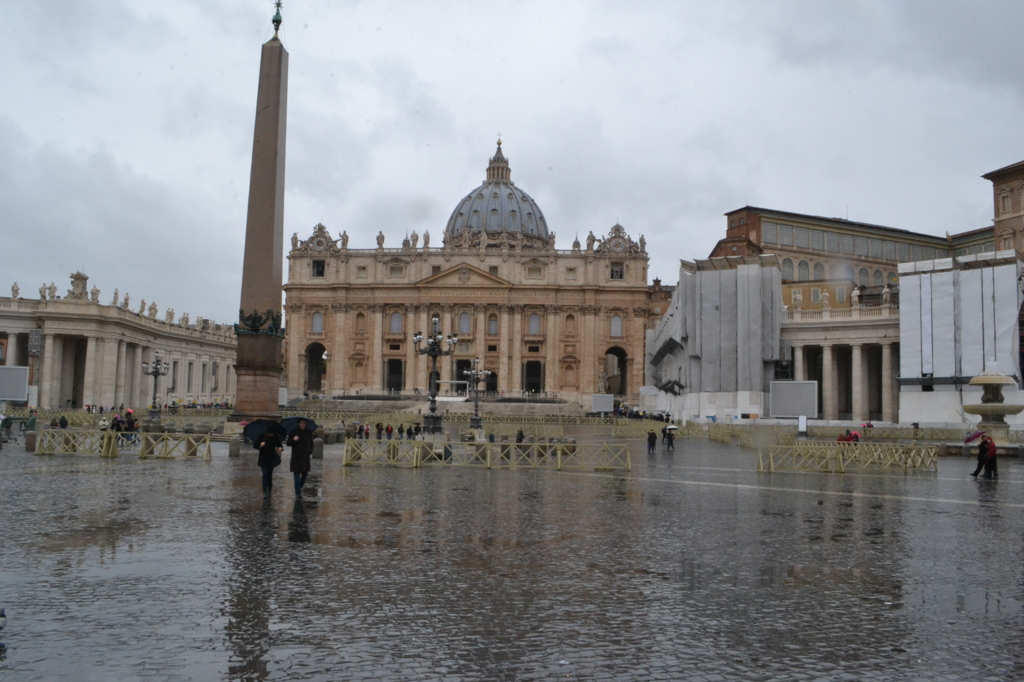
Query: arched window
{"x": 819, "y": 271}
{"x": 492, "y": 325}
{"x": 396, "y": 323}
{"x": 317, "y": 325}
{"x": 616, "y": 326}
{"x": 863, "y": 277}
{"x": 464, "y": 323}
{"x": 848, "y": 272}
{"x": 877, "y": 278}
{"x": 360, "y": 323}
{"x": 787, "y": 269}
{"x": 570, "y": 324}
{"x": 533, "y": 325}
{"x": 803, "y": 271}
{"x": 891, "y": 278}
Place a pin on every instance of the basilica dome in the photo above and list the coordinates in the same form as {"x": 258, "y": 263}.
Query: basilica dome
{"x": 494, "y": 207}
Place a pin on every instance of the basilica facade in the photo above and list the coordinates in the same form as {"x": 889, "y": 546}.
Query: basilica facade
{"x": 566, "y": 323}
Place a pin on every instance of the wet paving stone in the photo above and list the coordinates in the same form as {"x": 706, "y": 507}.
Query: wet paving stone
{"x": 693, "y": 567}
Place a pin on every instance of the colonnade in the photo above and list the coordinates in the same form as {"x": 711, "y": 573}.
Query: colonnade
{"x": 853, "y": 378}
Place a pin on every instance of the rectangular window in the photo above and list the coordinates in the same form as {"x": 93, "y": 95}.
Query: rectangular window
{"x": 801, "y": 239}
{"x": 889, "y": 250}
{"x": 876, "y": 248}
{"x": 846, "y": 243}
{"x": 435, "y": 269}
{"x": 903, "y": 251}
{"x": 916, "y": 252}
{"x": 492, "y": 349}
{"x": 1005, "y": 203}
{"x": 786, "y": 235}
{"x": 534, "y": 272}
{"x": 492, "y": 326}
{"x": 394, "y": 346}
{"x": 818, "y": 240}
{"x": 361, "y": 272}
{"x": 396, "y": 271}
{"x": 493, "y": 270}
{"x": 769, "y": 232}
{"x": 533, "y": 349}
{"x": 832, "y": 242}
{"x": 618, "y": 270}
{"x": 841, "y": 294}
{"x": 860, "y": 246}
{"x": 319, "y": 268}
{"x": 928, "y": 252}
{"x": 570, "y": 274}
{"x": 815, "y": 295}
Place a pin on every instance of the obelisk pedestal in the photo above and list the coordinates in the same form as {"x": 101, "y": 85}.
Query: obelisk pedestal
{"x": 260, "y": 335}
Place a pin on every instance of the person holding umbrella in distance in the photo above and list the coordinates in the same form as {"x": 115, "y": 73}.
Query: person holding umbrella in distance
{"x": 300, "y": 440}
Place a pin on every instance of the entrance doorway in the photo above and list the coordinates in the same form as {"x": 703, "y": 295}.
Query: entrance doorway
{"x": 533, "y": 376}
{"x": 395, "y": 370}
{"x": 615, "y": 370}
{"x": 492, "y": 382}
{"x": 316, "y": 368}
{"x": 461, "y": 367}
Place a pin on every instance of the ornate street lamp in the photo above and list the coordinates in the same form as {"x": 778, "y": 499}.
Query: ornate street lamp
{"x": 435, "y": 349}
{"x": 475, "y": 376}
{"x": 156, "y": 369}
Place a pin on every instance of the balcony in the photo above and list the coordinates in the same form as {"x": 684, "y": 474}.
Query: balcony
{"x": 882, "y": 312}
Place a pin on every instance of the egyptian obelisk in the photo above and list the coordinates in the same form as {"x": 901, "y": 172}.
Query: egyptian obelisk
{"x": 259, "y": 362}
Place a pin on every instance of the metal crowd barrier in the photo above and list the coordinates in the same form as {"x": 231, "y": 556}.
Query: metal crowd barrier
{"x": 833, "y": 457}
{"x": 117, "y": 444}
{"x": 557, "y": 456}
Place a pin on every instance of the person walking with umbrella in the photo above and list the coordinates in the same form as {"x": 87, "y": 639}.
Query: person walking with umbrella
{"x": 300, "y": 440}
{"x": 270, "y": 447}
{"x": 652, "y": 441}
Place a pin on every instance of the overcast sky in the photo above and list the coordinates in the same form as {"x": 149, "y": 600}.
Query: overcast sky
{"x": 126, "y": 127}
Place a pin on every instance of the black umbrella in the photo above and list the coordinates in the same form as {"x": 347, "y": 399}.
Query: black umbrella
{"x": 254, "y": 430}
{"x": 291, "y": 423}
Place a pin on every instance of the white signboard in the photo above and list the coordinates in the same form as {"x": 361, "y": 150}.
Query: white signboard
{"x": 14, "y": 383}
{"x": 793, "y": 399}
{"x": 603, "y": 402}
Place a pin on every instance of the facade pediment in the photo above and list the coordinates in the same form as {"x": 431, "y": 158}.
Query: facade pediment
{"x": 464, "y": 275}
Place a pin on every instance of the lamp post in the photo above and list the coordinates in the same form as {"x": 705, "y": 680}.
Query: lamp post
{"x": 435, "y": 349}
{"x": 475, "y": 376}
{"x": 155, "y": 369}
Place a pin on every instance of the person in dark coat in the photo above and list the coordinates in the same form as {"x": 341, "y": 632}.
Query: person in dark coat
{"x": 982, "y": 456}
{"x": 670, "y": 440}
{"x": 652, "y": 442}
{"x": 301, "y": 442}
{"x": 270, "y": 448}
{"x": 991, "y": 470}
{"x": 520, "y": 436}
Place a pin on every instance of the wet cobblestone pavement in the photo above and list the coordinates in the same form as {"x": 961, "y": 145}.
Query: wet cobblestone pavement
{"x": 695, "y": 567}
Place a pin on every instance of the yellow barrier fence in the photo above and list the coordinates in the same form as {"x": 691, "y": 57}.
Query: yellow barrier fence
{"x": 558, "y": 456}
{"x": 116, "y": 444}
{"x": 833, "y": 457}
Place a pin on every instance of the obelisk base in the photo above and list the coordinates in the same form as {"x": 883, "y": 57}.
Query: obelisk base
{"x": 257, "y": 378}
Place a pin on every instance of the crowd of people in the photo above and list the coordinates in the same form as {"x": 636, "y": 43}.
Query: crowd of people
{"x": 389, "y": 432}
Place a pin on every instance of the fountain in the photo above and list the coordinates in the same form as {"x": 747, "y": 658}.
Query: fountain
{"x": 992, "y": 409}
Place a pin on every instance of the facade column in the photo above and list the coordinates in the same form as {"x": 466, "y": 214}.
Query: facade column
{"x": 798, "y": 363}
{"x": 481, "y": 332}
{"x": 588, "y": 364}
{"x": 377, "y": 349}
{"x": 92, "y": 364}
{"x": 106, "y": 380}
{"x": 828, "y": 383}
{"x": 138, "y": 400}
{"x": 408, "y": 331}
{"x": 551, "y": 382}
{"x": 422, "y": 380}
{"x": 12, "y": 349}
{"x": 444, "y": 365}
{"x": 858, "y": 378}
{"x": 119, "y": 387}
{"x": 504, "y": 333}
{"x": 339, "y": 352}
{"x": 46, "y": 380}
{"x": 516, "y": 370}
{"x": 887, "y": 411}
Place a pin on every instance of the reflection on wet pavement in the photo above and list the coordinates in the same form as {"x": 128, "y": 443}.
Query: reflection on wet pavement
{"x": 694, "y": 567}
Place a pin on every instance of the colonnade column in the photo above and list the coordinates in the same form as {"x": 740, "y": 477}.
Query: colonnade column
{"x": 857, "y": 378}
{"x": 122, "y": 358}
{"x": 89, "y": 385}
{"x": 106, "y": 379}
{"x": 49, "y": 360}
{"x": 12, "y": 349}
{"x": 376, "y": 349}
{"x": 828, "y": 383}
{"x": 504, "y": 383}
{"x": 516, "y": 370}
{"x": 136, "y": 400}
{"x": 887, "y": 411}
{"x": 798, "y": 363}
